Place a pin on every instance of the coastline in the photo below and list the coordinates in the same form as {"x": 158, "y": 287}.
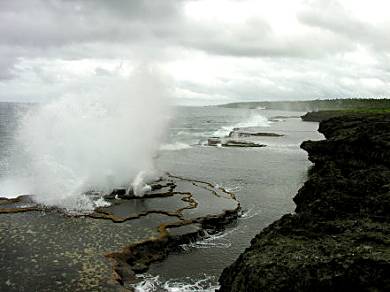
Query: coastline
{"x": 339, "y": 236}
{"x": 322, "y": 115}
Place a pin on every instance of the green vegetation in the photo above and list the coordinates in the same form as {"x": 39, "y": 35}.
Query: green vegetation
{"x": 318, "y": 116}
{"x": 317, "y": 105}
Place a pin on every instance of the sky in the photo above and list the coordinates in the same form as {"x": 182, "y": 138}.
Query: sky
{"x": 214, "y": 51}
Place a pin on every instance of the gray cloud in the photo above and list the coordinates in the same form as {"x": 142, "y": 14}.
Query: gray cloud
{"x": 39, "y": 23}
{"x": 330, "y": 15}
{"x": 43, "y": 27}
{"x": 162, "y": 32}
{"x": 269, "y": 45}
{"x": 304, "y": 79}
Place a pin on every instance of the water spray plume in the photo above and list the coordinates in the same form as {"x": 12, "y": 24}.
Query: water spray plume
{"x": 94, "y": 142}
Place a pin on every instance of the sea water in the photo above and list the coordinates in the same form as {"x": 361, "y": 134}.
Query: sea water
{"x": 264, "y": 179}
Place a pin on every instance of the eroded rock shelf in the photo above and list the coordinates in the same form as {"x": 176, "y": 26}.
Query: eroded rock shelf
{"x": 105, "y": 249}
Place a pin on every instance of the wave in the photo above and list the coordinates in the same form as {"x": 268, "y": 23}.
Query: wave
{"x": 231, "y": 187}
{"x": 253, "y": 121}
{"x": 204, "y": 285}
{"x": 248, "y": 214}
{"x": 174, "y": 146}
{"x": 217, "y": 240}
{"x": 151, "y": 283}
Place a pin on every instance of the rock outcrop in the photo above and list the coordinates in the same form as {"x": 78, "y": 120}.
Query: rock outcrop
{"x": 48, "y": 249}
{"x": 339, "y": 237}
{"x": 242, "y": 133}
{"x": 319, "y": 116}
{"x": 224, "y": 142}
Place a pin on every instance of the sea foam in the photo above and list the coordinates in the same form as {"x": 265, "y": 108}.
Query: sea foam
{"x": 151, "y": 283}
{"x": 255, "y": 120}
{"x": 76, "y": 144}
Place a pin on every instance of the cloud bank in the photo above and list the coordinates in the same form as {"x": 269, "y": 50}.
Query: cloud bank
{"x": 216, "y": 51}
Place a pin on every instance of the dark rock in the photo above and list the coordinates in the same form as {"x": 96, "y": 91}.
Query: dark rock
{"x": 322, "y": 115}
{"x": 243, "y": 134}
{"x": 339, "y": 237}
{"x": 234, "y": 143}
{"x": 177, "y": 227}
{"x": 319, "y": 116}
{"x": 120, "y": 193}
{"x": 239, "y": 133}
{"x": 213, "y": 141}
{"x": 259, "y": 134}
{"x": 285, "y": 117}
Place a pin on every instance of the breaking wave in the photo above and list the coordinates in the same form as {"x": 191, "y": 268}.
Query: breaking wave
{"x": 248, "y": 214}
{"x": 217, "y": 240}
{"x": 151, "y": 283}
{"x": 255, "y": 120}
{"x": 175, "y": 146}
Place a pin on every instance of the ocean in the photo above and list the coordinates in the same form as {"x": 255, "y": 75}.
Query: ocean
{"x": 264, "y": 180}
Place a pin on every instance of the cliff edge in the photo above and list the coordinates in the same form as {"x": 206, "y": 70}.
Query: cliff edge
{"x": 339, "y": 237}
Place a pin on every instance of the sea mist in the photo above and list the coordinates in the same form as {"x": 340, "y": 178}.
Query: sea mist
{"x": 76, "y": 144}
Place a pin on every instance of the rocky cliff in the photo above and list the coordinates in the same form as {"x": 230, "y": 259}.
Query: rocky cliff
{"x": 339, "y": 237}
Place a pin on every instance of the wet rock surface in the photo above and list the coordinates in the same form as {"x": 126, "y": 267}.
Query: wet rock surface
{"x": 45, "y": 249}
{"x": 242, "y": 137}
{"x": 240, "y": 133}
{"x": 339, "y": 237}
{"x": 229, "y": 142}
{"x": 240, "y": 143}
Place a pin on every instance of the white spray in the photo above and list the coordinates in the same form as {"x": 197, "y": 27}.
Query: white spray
{"x": 81, "y": 143}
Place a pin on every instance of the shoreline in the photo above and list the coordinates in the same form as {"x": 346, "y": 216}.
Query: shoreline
{"x": 322, "y": 115}
{"x": 339, "y": 236}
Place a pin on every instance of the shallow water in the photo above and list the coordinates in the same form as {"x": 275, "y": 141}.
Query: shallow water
{"x": 264, "y": 180}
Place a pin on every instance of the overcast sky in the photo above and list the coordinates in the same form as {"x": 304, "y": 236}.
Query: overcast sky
{"x": 215, "y": 51}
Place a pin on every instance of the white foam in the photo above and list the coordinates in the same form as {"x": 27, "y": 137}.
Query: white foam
{"x": 256, "y": 120}
{"x": 175, "y": 146}
{"x": 101, "y": 203}
{"x": 148, "y": 284}
{"x": 77, "y": 143}
{"x": 217, "y": 240}
{"x": 202, "y": 285}
{"x": 139, "y": 184}
{"x": 248, "y": 214}
{"x": 151, "y": 283}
